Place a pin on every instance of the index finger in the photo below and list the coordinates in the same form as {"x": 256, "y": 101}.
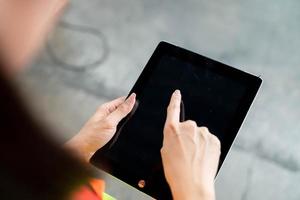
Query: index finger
{"x": 173, "y": 114}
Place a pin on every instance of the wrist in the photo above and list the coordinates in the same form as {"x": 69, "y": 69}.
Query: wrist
{"x": 193, "y": 192}
{"x": 79, "y": 146}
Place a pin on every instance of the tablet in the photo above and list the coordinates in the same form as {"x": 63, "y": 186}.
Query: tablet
{"x": 214, "y": 95}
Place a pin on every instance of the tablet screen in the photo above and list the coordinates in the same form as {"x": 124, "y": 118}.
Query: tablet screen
{"x": 210, "y": 97}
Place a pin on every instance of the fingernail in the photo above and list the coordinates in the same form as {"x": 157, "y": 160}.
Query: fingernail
{"x": 131, "y": 98}
{"x": 177, "y": 92}
{"x": 133, "y": 95}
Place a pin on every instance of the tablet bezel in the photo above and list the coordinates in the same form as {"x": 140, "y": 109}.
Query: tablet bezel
{"x": 164, "y": 48}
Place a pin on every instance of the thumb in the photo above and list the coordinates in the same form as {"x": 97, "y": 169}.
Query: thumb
{"x": 122, "y": 111}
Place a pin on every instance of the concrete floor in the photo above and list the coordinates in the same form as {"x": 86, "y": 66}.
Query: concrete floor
{"x": 100, "y": 47}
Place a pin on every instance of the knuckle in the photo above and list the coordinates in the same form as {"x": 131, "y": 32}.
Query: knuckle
{"x": 171, "y": 107}
{"x": 191, "y": 124}
{"x": 204, "y": 135}
{"x": 168, "y": 110}
{"x": 215, "y": 140}
{"x": 171, "y": 127}
{"x": 217, "y": 150}
{"x": 123, "y": 108}
{"x": 204, "y": 129}
{"x": 162, "y": 150}
{"x": 107, "y": 124}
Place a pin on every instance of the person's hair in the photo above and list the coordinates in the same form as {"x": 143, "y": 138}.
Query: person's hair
{"x": 32, "y": 166}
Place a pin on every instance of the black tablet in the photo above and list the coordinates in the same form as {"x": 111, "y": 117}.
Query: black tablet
{"x": 214, "y": 95}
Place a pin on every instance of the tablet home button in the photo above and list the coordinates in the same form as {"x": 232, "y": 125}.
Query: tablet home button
{"x": 141, "y": 183}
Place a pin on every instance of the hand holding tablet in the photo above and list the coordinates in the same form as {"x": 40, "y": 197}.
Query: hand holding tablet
{"x": 104, "y": 121}
{"x": 189, "y": 168}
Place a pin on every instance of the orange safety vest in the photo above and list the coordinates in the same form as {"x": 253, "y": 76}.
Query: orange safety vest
{"x": 92, "y": 191}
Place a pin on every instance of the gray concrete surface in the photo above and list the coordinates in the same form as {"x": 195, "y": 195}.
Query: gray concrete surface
{"x": 100, "y": 47}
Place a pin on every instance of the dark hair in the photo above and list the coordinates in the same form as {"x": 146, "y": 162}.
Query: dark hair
{"x": 32, "y": 166}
